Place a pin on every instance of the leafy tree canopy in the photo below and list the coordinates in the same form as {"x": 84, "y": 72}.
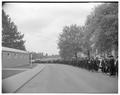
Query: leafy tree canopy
{"x": 70, "y": 41}
{"x": 103, "y": 24}
{"x": 10, "y": 35}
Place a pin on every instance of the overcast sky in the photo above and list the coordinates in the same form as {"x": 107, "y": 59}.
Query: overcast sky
{"x": 41, "y": 23}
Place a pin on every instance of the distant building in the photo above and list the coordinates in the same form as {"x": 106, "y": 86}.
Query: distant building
{"x": 37, "y": 55}
{"x": 14, "y": 57}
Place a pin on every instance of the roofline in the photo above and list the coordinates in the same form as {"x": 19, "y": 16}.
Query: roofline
{"x": 13, "y": 50}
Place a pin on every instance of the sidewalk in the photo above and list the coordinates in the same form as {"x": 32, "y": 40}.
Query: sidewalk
{"x": 11, "y": 84}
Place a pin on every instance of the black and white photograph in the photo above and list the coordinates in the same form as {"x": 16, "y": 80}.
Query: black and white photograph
{"x": 59, "y": 47}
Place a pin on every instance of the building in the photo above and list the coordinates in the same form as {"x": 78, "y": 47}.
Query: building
{"x": 14, "y": 57}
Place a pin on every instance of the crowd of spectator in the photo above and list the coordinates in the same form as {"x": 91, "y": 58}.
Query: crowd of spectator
{"x": 107, "y": 65}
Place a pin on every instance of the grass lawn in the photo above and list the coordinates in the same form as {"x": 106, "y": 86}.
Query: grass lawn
{"x": 8, "y": 73}
{"x": 27, "y": 66}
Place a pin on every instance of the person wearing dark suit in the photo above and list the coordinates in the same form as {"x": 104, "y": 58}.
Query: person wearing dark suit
{"x": 112, "y": 66}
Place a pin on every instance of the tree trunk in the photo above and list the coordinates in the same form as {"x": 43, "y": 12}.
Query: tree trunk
{"x": 88, "y": 53}
{"x": 76, "y": 57}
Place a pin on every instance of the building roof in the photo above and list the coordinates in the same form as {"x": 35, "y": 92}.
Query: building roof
{"x": 13, "y": 50}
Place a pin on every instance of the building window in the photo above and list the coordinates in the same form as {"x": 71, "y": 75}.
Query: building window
{"x": 8, "y": 54}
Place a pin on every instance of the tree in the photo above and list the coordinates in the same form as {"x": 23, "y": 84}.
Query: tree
{"x": 103, "y": 24}
{"x": 70, "y": 41}
{"x": 10, "y": 35}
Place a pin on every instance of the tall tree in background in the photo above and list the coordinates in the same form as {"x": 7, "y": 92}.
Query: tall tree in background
{"x": 100, "y": 33}
{"x": 102, "y": 24}
{"x": 70, "y": 41}
{"x": 10, "y": 35}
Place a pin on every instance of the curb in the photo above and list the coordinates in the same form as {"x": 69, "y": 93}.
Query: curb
{"x": 13, "y": 83}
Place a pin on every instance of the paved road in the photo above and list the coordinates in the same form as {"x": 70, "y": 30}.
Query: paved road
{"x": 56, "y": 78}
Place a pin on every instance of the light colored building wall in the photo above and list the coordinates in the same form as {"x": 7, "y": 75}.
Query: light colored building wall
{"x": 14, "y": 58}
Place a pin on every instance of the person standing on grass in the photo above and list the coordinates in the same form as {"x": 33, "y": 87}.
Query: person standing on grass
{"x": 116, "y": 65}
{"x": 103, "y": 65}
{"x": 100, "y": 64}
{"x": 97, "y": 64}
{"x": 112, "y": 66}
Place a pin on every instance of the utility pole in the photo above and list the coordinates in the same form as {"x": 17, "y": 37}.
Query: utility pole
{"x": 31, "y": 59}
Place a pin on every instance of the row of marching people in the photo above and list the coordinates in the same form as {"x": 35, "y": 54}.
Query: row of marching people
{"x": 107, "y": 65}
